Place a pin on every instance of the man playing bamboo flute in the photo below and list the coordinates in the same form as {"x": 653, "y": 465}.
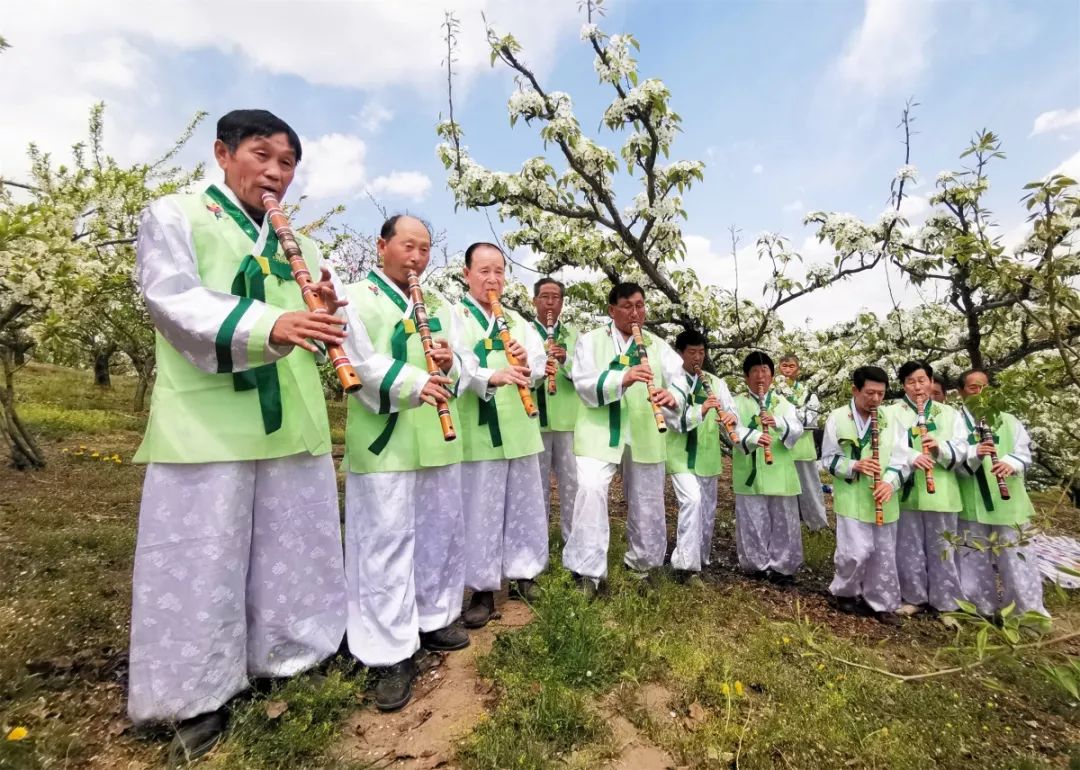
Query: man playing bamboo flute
{"x": 866, "y": 580}
{"x": 986, "y": 512}
{"x": 506, "y": 531}
{"x": 694, "y": 456}
{"x": 558, "y": 410}
{"x": 404, "y": 525}
{"x": 238, "y": 562}
{"x": 768, "y": 538}
{"x": 926, "y": 576}
{"x": 808, "y": 409}
{"x": 617, "y": 426}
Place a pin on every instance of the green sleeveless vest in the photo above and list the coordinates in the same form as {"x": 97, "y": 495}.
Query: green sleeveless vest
{"x": 497, "y": 429}
{"x": 749, "y": 473}
{"x": 558, "y": 411}
{"x": 854, "y": 497}
{"x": 804, "y": 448}
{"x": 269, "y": 411}
{"x": 698, "y": 451}
{"x": 941, "y": 423}
{"x": 980, "y": 495}
{"x": 409, "y": 439}
{"x": 601, "y": 431}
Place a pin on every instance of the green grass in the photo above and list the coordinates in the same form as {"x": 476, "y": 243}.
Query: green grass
{"x": 299, "y": 738}
{"x": 736, "y": 654}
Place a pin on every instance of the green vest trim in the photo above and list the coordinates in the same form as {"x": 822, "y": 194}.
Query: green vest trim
{"x": 250, "y": 284}
{"x": 779, "y": 479}
{"x": 198, "y": 416}
{"x": 510, "y": 432}
{"x": 599, "y": 430}
{"x": 854, "y": 498}
{"x": 987, "y": 506}
{"x": 940, "y": 423}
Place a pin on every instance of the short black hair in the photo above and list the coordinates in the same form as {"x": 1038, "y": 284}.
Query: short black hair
{"x": 962, "y": 379}
{"x": 389, "y": 227}
{"x": 757, "y": 358}
{"x": 544, "y": 282}
{"x": 479, "y": 245}
{"x": 910, "y": 367}
{"x": 789, "y": 357}
{"x": 690, "y": 337}
{"x": 941, "y": 381}
{"x": 624, "y": 290}
{"x": 865, "y": 374}
{"x": 236, "y": 126}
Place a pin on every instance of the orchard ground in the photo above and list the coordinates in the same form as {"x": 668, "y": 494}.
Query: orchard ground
{"x": 732, "y": 674}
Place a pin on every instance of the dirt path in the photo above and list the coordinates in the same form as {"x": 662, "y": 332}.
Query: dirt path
{"x": 448, "y": 700}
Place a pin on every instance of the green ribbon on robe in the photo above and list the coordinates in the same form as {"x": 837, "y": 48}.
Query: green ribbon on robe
{"x": 619, "y": 363}
{"x": 488, "y": 411}
{"x": 250, "y": 285}
{"x": 913, "y": 435}
{"x": 399, "y": 341}
{"x": 752, "y": 425}
{"x": 541, "y": 389}
{"x": 697, "y": 398}
{"x": 980, "y": 475}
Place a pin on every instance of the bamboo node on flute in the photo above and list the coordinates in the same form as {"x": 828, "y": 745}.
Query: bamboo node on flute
{"x": 442, "y": 405}
{"x": 643, "y": 356}
{"x": 350, "y": 381}
{"x": 504, "y": 335}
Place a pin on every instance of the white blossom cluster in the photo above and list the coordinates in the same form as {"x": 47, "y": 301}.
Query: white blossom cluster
{"x": 619, "y": 63}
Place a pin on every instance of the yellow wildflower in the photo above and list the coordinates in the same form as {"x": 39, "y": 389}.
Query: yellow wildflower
{"x": 738, "y": 688}
{"x": 17, "y": 734}
{"x": 64, "y": 451}
{"x": 95, "y": 454}
{"x": 725, "y": 689}
{"x": 787, "y": 640}
{"x": 82, "y": 447}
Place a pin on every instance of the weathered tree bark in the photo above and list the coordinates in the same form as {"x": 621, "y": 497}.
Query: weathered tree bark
{"x": 145, "y": 371}
{"x": 102, "y": 359}
{"x": 25, "y": 453}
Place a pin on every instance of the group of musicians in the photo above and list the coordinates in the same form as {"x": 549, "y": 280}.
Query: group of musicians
{"x": 463, "y": 414}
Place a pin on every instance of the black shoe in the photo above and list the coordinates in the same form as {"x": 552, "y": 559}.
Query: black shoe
{"x": 647, "y": 581}
{"x": 687, "y": 578}
{"x": 446, "y": 639}
{"x": 196, "y": 736}
{"x": 849, "y": 604}
{"x": 757, "y": 574}
{"x": 779, "y": 578}
{"x": 394, "y": 688}
{"x": 525, "y": 590}
{"x": 888, "y": 619}
{"x": 590, "y": 587}
{"x": 481, "y": 608}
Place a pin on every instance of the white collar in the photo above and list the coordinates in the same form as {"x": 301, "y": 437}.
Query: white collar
{"x": 861, "y": 425}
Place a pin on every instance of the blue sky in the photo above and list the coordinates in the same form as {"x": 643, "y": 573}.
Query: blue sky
{"x": 792, "y": 105}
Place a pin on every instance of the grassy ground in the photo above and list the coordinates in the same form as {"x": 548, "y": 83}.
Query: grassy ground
{"x": 732, "y": 674}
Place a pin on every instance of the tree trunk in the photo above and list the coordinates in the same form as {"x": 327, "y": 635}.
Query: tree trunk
{"x": 25, "y": 454}
{"x": 145, "y": 370}
{"x": 102, "y": 359}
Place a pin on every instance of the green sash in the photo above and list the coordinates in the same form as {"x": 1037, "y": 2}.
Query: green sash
{"x": 250, "y": 284}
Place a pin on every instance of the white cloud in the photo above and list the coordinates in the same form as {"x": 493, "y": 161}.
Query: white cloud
{"x": 373, "y": 115}
{"x": 352, "y": 43}
{"x": 1055, "y": 120}
{"x": 402, "y": 184}
{"x": 758, "y": 168}
{"x": 890, "y": 48}
{"x": 333, "y": 166}
{"x": 66, "y": 55}
{"x": 1069, "y": 167}
{"x": 914, "y": 208}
